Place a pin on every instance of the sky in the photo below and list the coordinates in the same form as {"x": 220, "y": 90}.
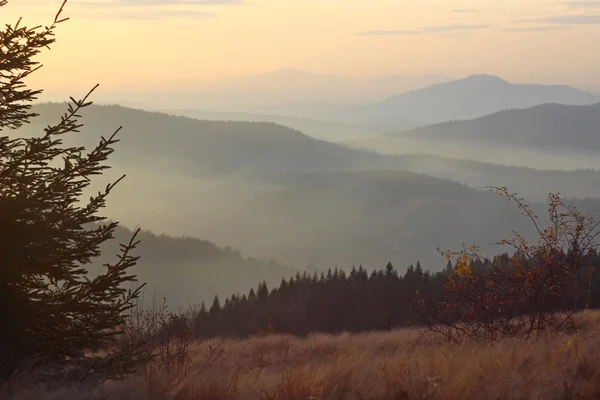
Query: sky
{"x": 159, "y": 44}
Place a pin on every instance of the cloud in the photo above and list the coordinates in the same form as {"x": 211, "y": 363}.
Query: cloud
{"x": 537, "y": 28}
{"x": 147, "y": 9}
{"x": 463, "y": 10}
{"x": 452, "y": 28}
{"x": 386, "y": 33}
{"x": 140, "y": 14}
{"x": 583, "y": 4}
{"x": 160, "y": 14}
{"x": 589, "y": 19}
{"x": 130, "y": 3}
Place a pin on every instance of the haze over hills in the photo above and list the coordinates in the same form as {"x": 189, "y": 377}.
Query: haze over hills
{"x": 186, "y": 270}
{"x": 278, "y": 87}
{"x": 470, "y": 97}
{"x": 552, "y": 136}
{"x": 200, "y": 148}
{"x": 332, "y": 131}
{"x": 290, "y": 85}
{"x": 219, "y": 151}
{"x": 407, "y": 102}
{"x": 299, "y": 85}
{"x": 368, "y": 218}
{"x": 273, "y": 191}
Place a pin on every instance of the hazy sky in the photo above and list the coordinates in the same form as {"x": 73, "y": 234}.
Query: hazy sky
{"x": 158, "y": 43}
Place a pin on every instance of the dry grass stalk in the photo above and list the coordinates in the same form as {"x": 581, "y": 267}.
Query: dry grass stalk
{"x": 392, "y": 365}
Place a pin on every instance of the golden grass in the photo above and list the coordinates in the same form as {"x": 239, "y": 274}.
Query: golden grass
{"x": 391, "y": 365}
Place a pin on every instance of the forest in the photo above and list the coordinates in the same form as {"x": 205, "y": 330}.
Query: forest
{"x": 336, "y": 301}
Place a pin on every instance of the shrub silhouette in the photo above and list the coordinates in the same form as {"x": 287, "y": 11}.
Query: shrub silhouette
{"x": 51, "y": 311}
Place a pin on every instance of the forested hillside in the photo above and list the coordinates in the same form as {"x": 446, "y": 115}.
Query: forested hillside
{"x": 332, "y": 131}
{"x": 166, "y": 144}
{"x": 547, "y": 126}
{"x": 187, "y": 271}
{"x": 338, "y": 301}
{"x": 367, "y": 217}
{"x": 274, "y": 192}
{"x": 479, "y": 95}
{"x": 192, "y": 147}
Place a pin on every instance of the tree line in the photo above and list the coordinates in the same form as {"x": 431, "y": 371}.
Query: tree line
{"x": 336, "y": 301}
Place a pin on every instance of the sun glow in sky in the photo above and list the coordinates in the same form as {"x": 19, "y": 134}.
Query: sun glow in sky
{"x": 156, "y": 44}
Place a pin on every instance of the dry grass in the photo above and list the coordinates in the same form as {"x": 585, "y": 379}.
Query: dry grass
{"x": 392, "y": 365}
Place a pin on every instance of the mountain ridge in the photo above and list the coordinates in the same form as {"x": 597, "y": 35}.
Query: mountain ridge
{"x": 471, "y": 97}
{"x": 273, "y": 191}
{"x": 261, "y": 151}
{"x": 544, "y": 125}
{"x": 185, "y": 269}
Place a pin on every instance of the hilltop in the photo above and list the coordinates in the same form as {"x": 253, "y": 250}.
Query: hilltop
{"x": 187, "y": 270}
{"x": 332, "y": 131}
{"x": 543, "y": 126}
{"x": 471, "y": 97}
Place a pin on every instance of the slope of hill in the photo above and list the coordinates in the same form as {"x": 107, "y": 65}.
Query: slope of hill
{"x": 547, "y": 136}
{"x": 319, "y": 129}
{"x": 185, "y": 269}
{"x": 273, "y": 191}
{"x": 471, "y": 97}
{"x": 369, "y": 217}
{"x": 534, "y": 184}
{"x": 197, "y": 147}
{"x": 354, "y": 114}
{"x": 213, "y": 150}
{"x": 545, "y": 126}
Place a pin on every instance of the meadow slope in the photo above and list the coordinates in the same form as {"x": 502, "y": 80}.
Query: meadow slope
{"x": 400, "y": 364}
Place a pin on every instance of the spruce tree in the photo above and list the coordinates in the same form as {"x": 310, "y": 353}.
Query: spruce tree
{"x": 262, "y": 294}
{"x": 51, "y": 311}
{"x": 215, "y": 308}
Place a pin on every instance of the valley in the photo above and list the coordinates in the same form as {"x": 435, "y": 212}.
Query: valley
{"x": 276, "y": 193}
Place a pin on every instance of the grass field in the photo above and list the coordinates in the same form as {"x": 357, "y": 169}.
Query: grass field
{"x": 395, "y": 365}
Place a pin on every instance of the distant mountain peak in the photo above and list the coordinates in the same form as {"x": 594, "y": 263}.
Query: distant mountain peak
{"x": 291, "y": 72}
{"x": 472, "y": 97}
{"x": 484, "y": 79}
{"x": 290, "y": 69}
{"x": 295, "y": 75}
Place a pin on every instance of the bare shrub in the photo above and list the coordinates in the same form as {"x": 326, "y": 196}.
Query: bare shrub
{"x": 166, "y": 338}
{"x": 539, "y": 288}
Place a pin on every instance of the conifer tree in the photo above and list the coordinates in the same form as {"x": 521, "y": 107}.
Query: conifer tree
{"x": 262, "y": 293}
{"x": 51, "y": 311}
{"x": 252, "y": 294}
{"x": 215, "y": 308}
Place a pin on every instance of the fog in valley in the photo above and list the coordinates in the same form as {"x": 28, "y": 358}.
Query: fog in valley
{"x": 228, "y": 199}
{"x": 551, "y": 158}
